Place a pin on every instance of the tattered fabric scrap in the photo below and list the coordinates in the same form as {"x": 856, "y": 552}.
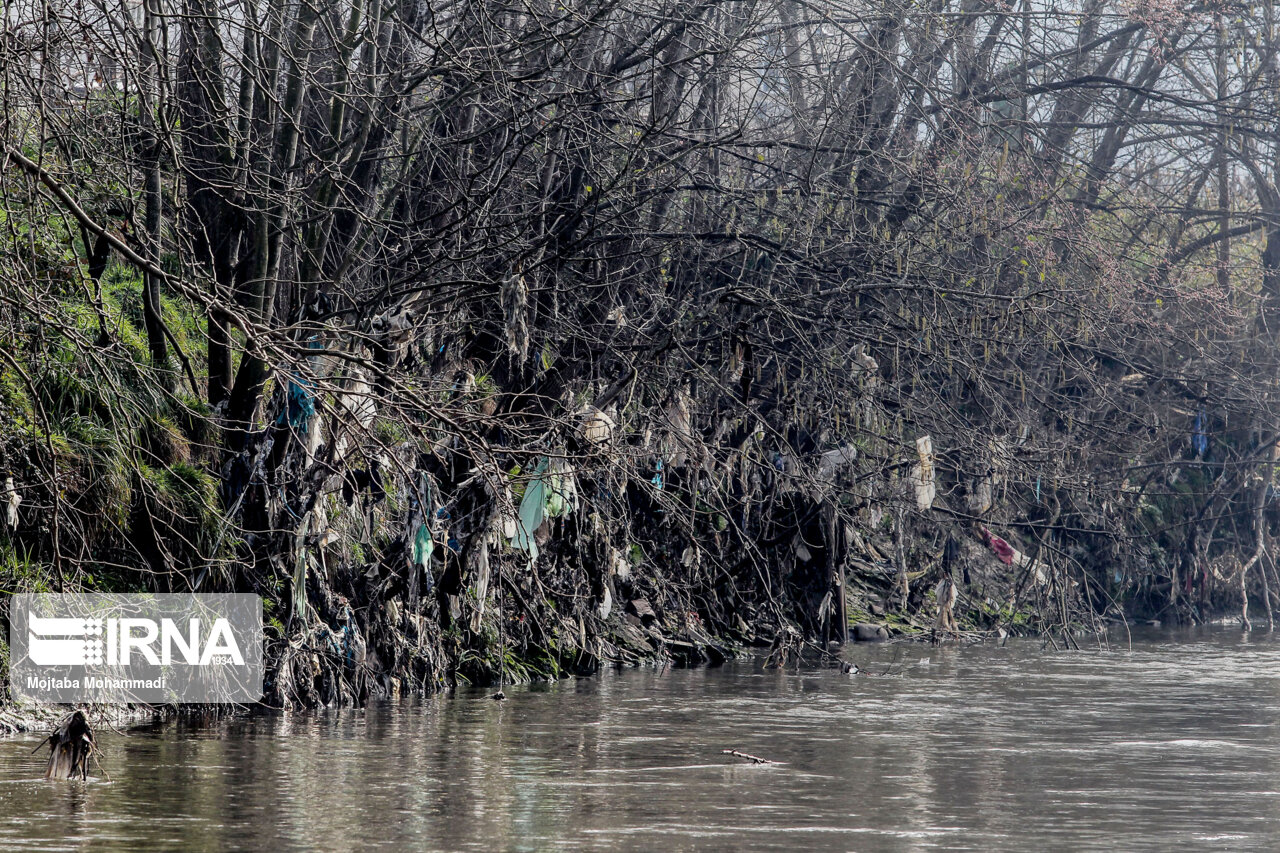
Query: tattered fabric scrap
{"x": 1002, "y": 549}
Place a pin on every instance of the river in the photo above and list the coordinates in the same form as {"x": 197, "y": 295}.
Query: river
{"x": 1171, "y": 744}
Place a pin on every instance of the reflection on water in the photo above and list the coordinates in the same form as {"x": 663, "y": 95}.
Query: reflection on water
{"x": 978, "y": 748}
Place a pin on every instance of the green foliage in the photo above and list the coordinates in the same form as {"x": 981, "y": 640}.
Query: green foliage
{"x": 19, "y": 572}
{"x": 184, "y": 488}
{"x": 15, "y": 400}
{"x": 123, "y": 447}
{"x": 389, "y": 432}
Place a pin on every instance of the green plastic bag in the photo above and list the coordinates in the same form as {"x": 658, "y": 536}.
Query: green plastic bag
{"x": 533, "y": 510}
{"x": 423, "y": 545}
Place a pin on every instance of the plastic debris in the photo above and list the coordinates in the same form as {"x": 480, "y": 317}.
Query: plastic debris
{"x": 621, "y": 565}
{"x": 999, "y": 547}
{"x": 833, "y": 461}
{"x": 11, "y": 501}
{"x": 1005, "y": 552}
{"x": 479, "y": 557}
{"x": 302, "y": 561}
{"x": 980, "y": 498}
{"x": 301, "y": 403}
{"x": 946, "y": 595}
{"x": 358, "y": 401}
{"x": 922, "y": 474}
{"x": 533, "y": 510}
{"x": 423, "y": 546}
{"x": 597, "y": 426}
{"x": 515, "y": 305}
{"x": 552, "y": 493}
{"x": 1199, "y": 435}
{"x": 562, "y": 490}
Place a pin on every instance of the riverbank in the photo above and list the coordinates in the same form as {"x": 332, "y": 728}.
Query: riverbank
{"x": 344, "y": 663}
{"x": 22, "y": 718}
{"x": 474, "y": 531}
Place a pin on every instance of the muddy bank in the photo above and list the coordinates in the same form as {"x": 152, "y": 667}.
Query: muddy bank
{"x": 22, "y": 718}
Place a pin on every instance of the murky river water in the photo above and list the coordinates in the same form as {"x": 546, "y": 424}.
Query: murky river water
{"x": 1175, "y": 744}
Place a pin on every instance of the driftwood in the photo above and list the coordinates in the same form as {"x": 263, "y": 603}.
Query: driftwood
{"x": 70, "y": 747}
{"x": 754, "y": 759}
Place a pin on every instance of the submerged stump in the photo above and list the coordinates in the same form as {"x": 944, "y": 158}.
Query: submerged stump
{"x": 70, "y": 747}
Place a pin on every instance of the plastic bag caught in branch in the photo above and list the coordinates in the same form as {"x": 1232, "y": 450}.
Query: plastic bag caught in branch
{"x": 12, "y": 500}
{"x": 533, "y": 510}
{"x": 1004, "y": 552}
{"x": 423, "y": 546}
{"x": 552, "y": 493}
{"x": 515, "y": 305}
{"x": 922, "y": 475}
{"x": 562, "y": 491}
{"x": 597, "y": 426}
